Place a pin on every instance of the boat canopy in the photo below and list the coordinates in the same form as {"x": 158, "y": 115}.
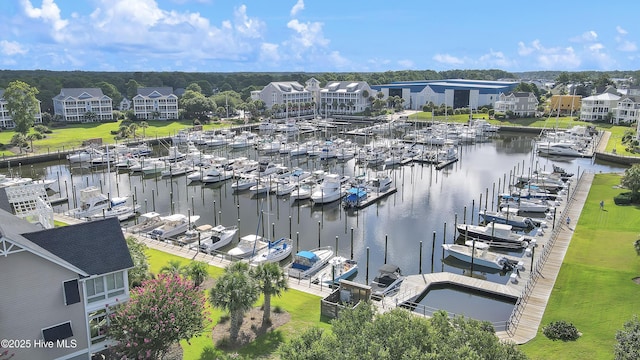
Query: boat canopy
{"x": 389, "y": 268}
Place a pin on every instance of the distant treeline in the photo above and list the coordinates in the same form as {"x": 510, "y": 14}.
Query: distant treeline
{"x": 118, "y": 84}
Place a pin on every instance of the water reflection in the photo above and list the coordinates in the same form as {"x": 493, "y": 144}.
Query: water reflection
{"x": 415, "y": 220}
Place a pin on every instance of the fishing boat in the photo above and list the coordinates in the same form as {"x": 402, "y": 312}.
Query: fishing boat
{"x": 93, "y": 201}
{"x": 308, "y": 262}
{"x": 508, "y": 218}
{"x": 387, "y": 281}
{"x": 147, "y": 222}
{"x": 493, "y": 232}
{"x": 355, "y": 196}
{"x": 478, "y": 253}
{"x": 329, "y": 190}
{"x": 274, "y": 252}
{"x": 218, "y": 236}
{"x": 174, "y": 225}
{"x": 122, "y": 212}
{"x": 339, "y": 268}
{"x": 248, "y": 246}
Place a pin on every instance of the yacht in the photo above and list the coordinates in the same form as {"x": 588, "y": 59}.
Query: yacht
{"x": 275, "y": 251}
{"x": 248, "y": 246}
{"x": 387, "y": 281}
{"x": 217, "y": 237}
{"x": 329, "y": 190}
{"x": 174, "y": 225}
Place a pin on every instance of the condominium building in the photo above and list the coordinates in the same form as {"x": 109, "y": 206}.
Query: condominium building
{"x": 345, "y": 97}
{"x": 155, "y": 103}
{"x": 599, "y": 107}
{"x": 83, "y": 105}
{"x": 627, "y": 110}
{"x": 285, "y": 98}
{"x": 522, "y": 104}
{"x": 6, "y": 122}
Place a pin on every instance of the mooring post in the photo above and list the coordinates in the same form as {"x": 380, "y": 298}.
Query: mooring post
{"x": 420, "y": 261}
{"x": 386, "y": 238}
{"x": 366, "y": 280}
{"x": 319, "y": 226}
{"x": 433, "y": 250}
{"x": 351, "y": 244}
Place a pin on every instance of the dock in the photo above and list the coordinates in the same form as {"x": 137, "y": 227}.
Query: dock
{"x": 374, "y": 197}
{"x": 443, "y": 164}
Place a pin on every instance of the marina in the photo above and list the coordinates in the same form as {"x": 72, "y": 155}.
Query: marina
{"x": 423, "y": 210}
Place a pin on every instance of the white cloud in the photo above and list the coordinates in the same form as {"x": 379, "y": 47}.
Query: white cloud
{"x": 247, "y": 26}
{"x": 338, "y": 60}
{"x": 550, "y": 58}
{"x": 309, "y": 34}
{"x": 10, "y": 48}
{"x": 587, "y": 36}
{"x": 406, "y": 64}
{"x": 49, "y": 13}
{"x": 269, "y": 53}
{"x": 495, "y": 59}
{"x": 627, "y": 46}
{"x": 448, "y": 59}
{"x": 299, "y": 6}
{"x": 620, "y": 30}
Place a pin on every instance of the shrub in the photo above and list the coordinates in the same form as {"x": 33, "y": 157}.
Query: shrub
{"x": 42, "y": 129}
{"x": 561, "y": 330}
{"x": 277, "y": 309}
{"x": 625, "y": 198}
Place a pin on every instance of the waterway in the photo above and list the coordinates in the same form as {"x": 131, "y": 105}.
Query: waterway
{"x": 400, "y": 228}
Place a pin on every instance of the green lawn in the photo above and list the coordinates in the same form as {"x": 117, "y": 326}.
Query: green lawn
{"x": 594, "y": 289}
{"x": 303, "y": 308}
{"x": 72, "y": 135}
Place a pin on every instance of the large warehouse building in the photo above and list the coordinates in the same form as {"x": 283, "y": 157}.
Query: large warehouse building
{"x": 457, "y": 93}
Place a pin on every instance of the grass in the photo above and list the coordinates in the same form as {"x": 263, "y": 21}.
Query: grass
{"x": 594, "y": 289}
{"x": 304, "y": 309}
{"x": 65, "y": 138}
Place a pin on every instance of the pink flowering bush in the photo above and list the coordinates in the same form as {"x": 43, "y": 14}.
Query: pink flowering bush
{"x": 160, "y": 313}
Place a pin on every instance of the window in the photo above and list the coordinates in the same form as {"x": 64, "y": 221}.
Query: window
{"x": 115, "y": 284}
{"x": 58, "y": 332}
{"x": 95, "y": 289}
{"x": 71, "y": 292}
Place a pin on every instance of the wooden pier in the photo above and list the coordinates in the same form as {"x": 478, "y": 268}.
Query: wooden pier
{"x": 374, "y": 197}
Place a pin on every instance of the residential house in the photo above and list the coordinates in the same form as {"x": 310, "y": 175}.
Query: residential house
{"x": 566, "y": 104}
{"x": 599, "y": 107}
{"x": 6, "y": 122}
{"x": 522, "y": 104}
{"x": 345, "y": 97}
{"x": 285, "y": 98}
{"x": 313, "y": 85}
{"x": 60, "y": 285}
{"x": 125, "y": 104}
{"x": 627, "y": 110}
{"x": 83, "y": 105}
{"x": 155, "y": 103}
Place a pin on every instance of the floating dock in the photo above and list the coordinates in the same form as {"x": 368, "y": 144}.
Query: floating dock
{"x": 373, "y": 197}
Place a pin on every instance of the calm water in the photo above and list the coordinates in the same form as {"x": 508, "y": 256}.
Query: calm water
{"x": 426, "y": 200}
{"x": 456, "y": 299}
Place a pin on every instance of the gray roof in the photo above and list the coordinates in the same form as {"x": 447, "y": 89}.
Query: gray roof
{"x": 96, "y": 247}
{"x": 147, "y": 91}
{"x": 80, "y": 93}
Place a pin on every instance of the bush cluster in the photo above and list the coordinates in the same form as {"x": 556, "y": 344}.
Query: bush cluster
{"x": 626, "y": 198}
{"x": 561, "y": 330}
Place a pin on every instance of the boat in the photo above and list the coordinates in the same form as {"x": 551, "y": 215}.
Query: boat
{"x": 492, "y": 232}
{"x": 387, "y": 281}
{"x": 174, "y": 225}
{"x": 175, "y": 169}
{"x": 244, "y": 183}
{"x": 248, "y": 245}
{"x": 153, "y": 166}
{"x": 355, "y": 196}
{"x": 523, "y": 205}
{"x": 84, "y": 156}
{"x": 514, "y": 220}
{"x": 339, "y": 268}
{"x": 559, "y": 149}
{"x": 274, "y": 252}
{"x": 122, "y": 212}
{"x": 214, "y": 175}
{"x": 308, "y": 262}
{"x": 284, "y": 188}
{"x": 381, "y": 183}
{"x": 147, "y": 222}
{"x": 302, "y": 192}
{"x": 478, "y": 253}
{"x": 329, "y": 190}
{"x": 217, "y": 237}
{"x": 93, "y": 201}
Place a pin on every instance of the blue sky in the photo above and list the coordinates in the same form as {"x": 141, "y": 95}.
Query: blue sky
{"x": 317, "y": 35}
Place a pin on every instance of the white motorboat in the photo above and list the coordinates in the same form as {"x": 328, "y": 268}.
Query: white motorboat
{"x": 93, "y": 201}
{"x": 248, "y": 246}
{"x": 274, "y": 252}
{"x": 493, "y": 232}
{"x": 379, "y": 184}
{"x": 175, "y": 169}
{"x": 339, "y": 268}
{"x": 153, "y": 166}
{"x": 213, "y": 175}
{"x": 218, "y": 236}
{"x": 122, "y": 212}
{"x": 329, "y": 190}
{"x": 308, "y": 262}
{"x": 284, "y": 188}
{"x": 174, "y": 225}
{"x": 478, "y": 253}
{"x": 244, "y": 183}
{"x": 559, "y": 149}
{"x": 302, "y": 192}
{"x": 387, "y": 281}
{"x": 147, "y": 222}
{"x": 85, "y": 155}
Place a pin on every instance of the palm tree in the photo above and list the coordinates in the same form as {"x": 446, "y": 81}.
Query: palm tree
{"x": 132, "y": 130}
{"x": 174, "y": 267}
{"x": 144, "y": 125}
{"x": 271, "y": 281}
{"x": 197, "y": 272}
{"x": 235, "y": 291}
{"x": 350, "y": 105}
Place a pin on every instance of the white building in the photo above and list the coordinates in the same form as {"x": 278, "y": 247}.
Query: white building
{"x": 598, "y": 107}
{"x": 345, "y": 97}
{"x": 522, "y": 104}
{"x": 125, "y": 104}
{"x": 627, "y": 110}
{"x": 6, "y": 122}
{"x": 155, "y": 103}
{"x": 83, "y": 105}
{"x": 289, "y": 97}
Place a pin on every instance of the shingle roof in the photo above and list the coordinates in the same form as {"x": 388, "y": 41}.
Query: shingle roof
{"x": 78, "y": 92}
{"x": 146, "y": 91}
{"x": 97, "y": 247}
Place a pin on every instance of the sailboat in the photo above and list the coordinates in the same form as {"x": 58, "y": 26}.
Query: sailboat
{"x": 275, "y": 251}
